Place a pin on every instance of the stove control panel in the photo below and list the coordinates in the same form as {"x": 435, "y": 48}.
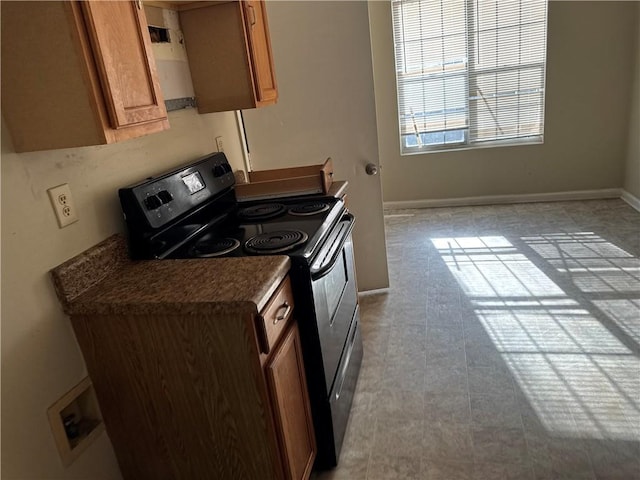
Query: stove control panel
{"x": 159, "y": 200}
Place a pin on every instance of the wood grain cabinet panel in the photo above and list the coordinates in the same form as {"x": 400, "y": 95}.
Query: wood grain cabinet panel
{"x": 291, "y": 407}
{"x": 229, "y": 52}
{"x": 264, "y": 79}
{"x": 77, "y": 74}
{"x": 122, "y": 48}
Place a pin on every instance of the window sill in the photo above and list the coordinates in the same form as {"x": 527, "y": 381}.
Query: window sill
{"x": 462, "y": 147}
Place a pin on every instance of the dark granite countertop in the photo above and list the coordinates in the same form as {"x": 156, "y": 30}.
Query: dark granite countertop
{"x": 102, "y": 281}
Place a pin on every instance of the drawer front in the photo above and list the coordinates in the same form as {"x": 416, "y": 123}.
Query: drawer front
{"x": 275, "y": 316}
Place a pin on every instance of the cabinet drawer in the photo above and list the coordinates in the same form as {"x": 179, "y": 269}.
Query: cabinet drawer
{"x": 275, "y": 316}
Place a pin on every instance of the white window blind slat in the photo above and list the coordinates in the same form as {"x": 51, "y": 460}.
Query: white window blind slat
{"x": 469, "y": 72}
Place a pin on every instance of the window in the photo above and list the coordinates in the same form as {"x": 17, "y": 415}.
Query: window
{"x": 470, "y": 73}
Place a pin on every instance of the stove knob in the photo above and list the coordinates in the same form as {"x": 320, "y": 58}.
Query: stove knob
{"x": 152, "y": 202}
{"x": 218, "y": 171}
{"x": 165, "y": 196}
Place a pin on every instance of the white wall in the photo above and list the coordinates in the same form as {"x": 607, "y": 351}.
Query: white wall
{"x": 590, "y": 51}
{"x": 632, "y": 165}
{"x": 40, "y": 356}
{"x": 326, "y": 108}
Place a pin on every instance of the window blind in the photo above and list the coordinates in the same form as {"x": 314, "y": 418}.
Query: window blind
{"x": 469, "y": 72}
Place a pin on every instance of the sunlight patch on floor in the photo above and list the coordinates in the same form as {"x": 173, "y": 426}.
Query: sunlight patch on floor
{"x": 594, "y": 264}
{"x": 561, "y": 353}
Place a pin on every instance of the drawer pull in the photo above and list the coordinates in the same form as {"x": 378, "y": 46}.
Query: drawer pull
{"x": 287, "y": 310}
{"x": 252, "y": 14}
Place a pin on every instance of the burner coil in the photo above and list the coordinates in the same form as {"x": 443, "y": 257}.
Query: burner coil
{"x": 262, "y": 211}
{"x": 210, "y": 246}
{"x": 309, "y": 209}
{"x": 276, "y": 242}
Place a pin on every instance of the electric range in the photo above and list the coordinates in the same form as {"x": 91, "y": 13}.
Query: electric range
{"x": 192, "y": 212}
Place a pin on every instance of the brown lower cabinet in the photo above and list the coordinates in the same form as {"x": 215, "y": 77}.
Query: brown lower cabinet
{"x": 285, "y": 373}
{"x": 203, "y": 396}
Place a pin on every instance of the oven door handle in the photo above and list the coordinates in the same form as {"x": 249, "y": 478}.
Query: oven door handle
{"x": 343, "y": 373}
{"x": 333, "y": 251}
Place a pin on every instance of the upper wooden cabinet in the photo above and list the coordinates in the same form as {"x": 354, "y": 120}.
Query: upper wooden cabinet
{"x": 121, "y": 45}
{"x": 260, "y": 52}
{"x": 77, "y": 74}
{"x": 229, "y": 55}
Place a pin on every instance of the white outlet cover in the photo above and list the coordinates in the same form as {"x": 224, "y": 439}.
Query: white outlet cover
{"x": 219, "y": 144}
{"x": 63, "y": 205}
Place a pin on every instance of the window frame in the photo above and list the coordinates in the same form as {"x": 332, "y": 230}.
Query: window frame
{"x": 471, "y": 74}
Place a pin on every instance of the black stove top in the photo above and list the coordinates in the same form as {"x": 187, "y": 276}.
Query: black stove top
{"x": 192, "y": 212}
{"x": 265, "y": 229}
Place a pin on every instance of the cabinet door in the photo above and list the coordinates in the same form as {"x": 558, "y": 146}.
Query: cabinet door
{"x": 288, "y": 389}
{"x": 122, "y": 50}
{"x": 260, "y": 51}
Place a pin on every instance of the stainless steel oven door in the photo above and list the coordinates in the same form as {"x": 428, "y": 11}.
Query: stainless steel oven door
{"x": 334, "y": 295}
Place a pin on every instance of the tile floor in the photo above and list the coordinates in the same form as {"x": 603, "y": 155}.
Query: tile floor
{"x": 507, "y": 347}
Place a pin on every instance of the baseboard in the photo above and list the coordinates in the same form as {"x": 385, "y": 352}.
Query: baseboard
{"x": 631, "y": 199}
{"x": 523, "y": 198}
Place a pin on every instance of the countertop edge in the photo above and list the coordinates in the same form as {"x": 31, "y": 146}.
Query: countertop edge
{"x": 82, "y": 272}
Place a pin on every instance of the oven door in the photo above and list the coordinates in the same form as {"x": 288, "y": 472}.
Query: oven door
{"x": 334, "y": 295}
{"x": 344, "y": 386}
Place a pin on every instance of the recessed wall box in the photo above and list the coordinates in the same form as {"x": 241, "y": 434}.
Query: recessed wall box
{"x": 75, "y": 421}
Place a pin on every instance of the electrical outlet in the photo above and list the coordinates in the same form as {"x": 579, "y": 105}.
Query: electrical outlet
{"x": 219, "y": 144}
{"x": 62, "y": 202}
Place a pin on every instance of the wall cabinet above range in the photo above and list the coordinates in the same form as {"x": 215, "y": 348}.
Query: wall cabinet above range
{"x": 78, "y": 74}
{"x": 229, "y": 52}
